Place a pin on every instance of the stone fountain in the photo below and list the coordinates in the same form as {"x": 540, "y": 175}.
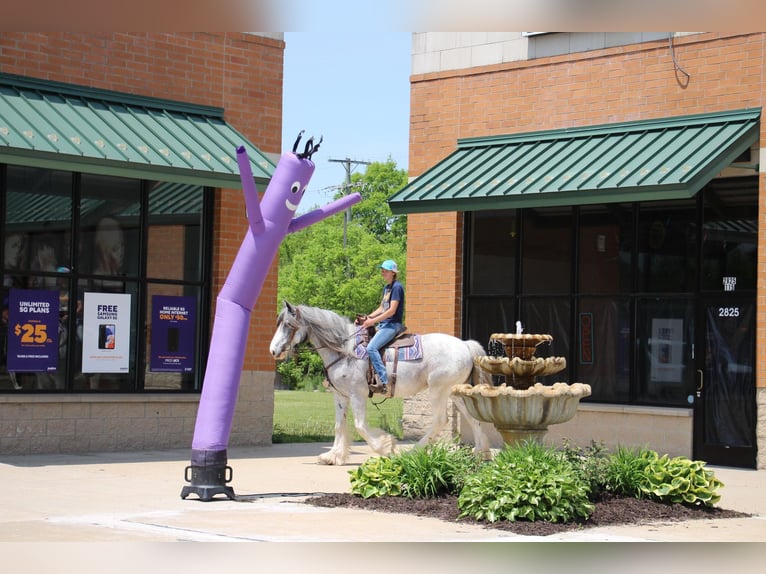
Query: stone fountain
{"x": 521, "y": 408}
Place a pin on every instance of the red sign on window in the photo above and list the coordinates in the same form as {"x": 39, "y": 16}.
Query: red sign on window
{"x": 586, "y": 338}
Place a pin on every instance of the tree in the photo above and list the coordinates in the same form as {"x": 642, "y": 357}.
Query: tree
{"x": 321, "y": 273}
{"x": 377, "y": 184}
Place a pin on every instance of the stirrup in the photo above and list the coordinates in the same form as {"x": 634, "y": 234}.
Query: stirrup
{"x": 378, "y": 387}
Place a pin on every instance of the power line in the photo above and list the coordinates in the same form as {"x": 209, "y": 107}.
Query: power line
{"x": 347, "y": 164}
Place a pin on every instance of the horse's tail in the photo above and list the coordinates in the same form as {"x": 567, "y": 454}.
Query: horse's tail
{"x": 478, "y": 376}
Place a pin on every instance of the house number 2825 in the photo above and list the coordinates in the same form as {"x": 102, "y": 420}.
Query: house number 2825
{"x": 728, "y": 311}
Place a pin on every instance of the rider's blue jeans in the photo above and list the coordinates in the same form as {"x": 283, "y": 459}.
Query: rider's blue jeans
{"x": 384, "y": 335}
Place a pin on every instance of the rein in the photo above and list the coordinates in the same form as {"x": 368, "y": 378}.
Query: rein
{"x": 341, "y": 355}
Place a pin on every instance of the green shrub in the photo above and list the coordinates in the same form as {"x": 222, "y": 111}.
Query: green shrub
{"x": 377, "y": 476}
{"x": 590, "y": 463}
{"x": 625, "y": 471}
{"x": 433, "y": 470}
{"x": 526, "y": 481}
{"x": 679, "y": 480}
{"x": 529, "y": 481}
{"x": 436, "y": 469}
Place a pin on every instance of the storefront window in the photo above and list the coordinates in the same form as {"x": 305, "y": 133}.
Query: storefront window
{"x": 174, "y": 246}
{"x": 729, "y": 240}
{"x": 99, "y": 253}
{"x": 667, "y": 246}
{"x": 490, "y": 315}
{"x": 618, "y": 286}
{"x": 546, "y": 250}
{"x": 602, "y": 352}
{"x": 605, "y": 248}
{"x": 549, "y": 316}
{"x": 665, "y": 332}
{"x": 494, "y": 237}
{"x": 37, "y": 256}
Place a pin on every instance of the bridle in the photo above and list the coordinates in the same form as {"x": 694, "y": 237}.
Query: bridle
{"x": 293, "y": 329}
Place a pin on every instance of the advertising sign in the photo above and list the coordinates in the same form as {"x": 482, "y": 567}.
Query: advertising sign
{"x": 172, "y": 346}
{"x": 667, "y": 345}
{"x": 33, "y": 341}
{"x": 106, "y": 333}
{"x": 586, "y": 338}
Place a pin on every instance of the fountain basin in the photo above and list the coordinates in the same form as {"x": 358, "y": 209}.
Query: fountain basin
{"x": 521, "y": 345}
{"x": 520, "y": 372}
{"x": 520, "y": 414}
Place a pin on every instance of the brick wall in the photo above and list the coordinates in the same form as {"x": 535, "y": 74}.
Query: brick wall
{"x": 238, "y": 72}
{"x": 241, "y": 73}
{"x": 626, "y": 83}
{"x": 38, "y": 424}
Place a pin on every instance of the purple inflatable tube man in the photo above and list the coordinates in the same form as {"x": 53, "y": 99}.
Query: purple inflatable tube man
{"x": 269, "y": 222}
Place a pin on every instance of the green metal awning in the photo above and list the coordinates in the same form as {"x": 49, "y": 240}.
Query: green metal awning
{"x": 632, "y": 161}
{"x": 66, "y": 127}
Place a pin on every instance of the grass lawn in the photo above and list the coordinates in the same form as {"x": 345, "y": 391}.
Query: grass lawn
{"x": 309, "y": 416}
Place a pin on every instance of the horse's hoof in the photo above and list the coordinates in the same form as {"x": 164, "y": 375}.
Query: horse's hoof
{"x": 331, "y": 459}
{"x": 324, "y": 459}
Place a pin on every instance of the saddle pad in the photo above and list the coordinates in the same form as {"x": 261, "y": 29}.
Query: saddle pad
{"x": 412, "y": 353}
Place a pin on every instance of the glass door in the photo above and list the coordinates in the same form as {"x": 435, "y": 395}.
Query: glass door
{"x": 724, "y": 399}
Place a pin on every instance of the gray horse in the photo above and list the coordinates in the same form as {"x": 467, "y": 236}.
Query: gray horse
{"x": 447, "y": 361}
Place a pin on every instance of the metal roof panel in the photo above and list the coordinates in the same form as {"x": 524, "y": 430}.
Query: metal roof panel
{"x": 58, "y": 126}
{"x": 629, "y": 161}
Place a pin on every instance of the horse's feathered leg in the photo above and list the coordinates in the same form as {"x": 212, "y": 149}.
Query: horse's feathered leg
{"x": 379, "y": 441}
{"x": 338, "y": 454}
{"x": 438, "y": 396}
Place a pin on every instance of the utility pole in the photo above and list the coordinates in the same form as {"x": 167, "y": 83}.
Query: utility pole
{"x": 347, "y": 164}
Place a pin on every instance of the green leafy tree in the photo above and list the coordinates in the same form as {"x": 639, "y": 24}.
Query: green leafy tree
{"x": 376, "y": 185}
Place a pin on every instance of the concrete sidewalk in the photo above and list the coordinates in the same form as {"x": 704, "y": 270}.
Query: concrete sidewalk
{"x": 135, "y": 497}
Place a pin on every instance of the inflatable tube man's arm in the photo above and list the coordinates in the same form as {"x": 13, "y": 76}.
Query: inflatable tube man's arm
{"x": 252, "y": 203}
{"x": 323, "y": 212}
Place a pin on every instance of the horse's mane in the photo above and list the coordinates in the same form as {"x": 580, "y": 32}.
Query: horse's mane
{"x": 330, "y": 329}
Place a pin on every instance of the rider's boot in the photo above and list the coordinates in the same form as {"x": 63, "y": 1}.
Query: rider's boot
{"x": 378, "y": 386}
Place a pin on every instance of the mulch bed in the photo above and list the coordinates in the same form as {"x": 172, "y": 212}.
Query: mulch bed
{"x": 610, "y": 510}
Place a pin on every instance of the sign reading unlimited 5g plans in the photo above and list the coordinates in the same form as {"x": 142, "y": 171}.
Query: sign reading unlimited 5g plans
{"x": 106, "y": 333}
{"x": 33, "y": 319}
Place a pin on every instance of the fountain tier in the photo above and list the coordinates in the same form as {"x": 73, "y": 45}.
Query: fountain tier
{"x": 521, "y": 345}
{"x": 521, "y": 408}
{"x": 520, "y": 414}
{"x": 521, "y": 373}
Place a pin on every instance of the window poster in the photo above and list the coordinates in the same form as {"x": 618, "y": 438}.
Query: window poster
{"x": 667, "y": 345}
{"x": 173, "y": 330}
{"x": 33, "y": 318}
{"x": 106, "y": 333}
{"x": 586, "y": 338}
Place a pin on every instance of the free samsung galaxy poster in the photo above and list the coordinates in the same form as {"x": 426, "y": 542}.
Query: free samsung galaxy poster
{"x": 106, "y": 333}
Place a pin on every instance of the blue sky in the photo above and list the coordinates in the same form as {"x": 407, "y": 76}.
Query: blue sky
{"x": 353, "y": 89}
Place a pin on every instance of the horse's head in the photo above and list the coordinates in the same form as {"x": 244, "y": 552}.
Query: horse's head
{"x": 291, "y": 331}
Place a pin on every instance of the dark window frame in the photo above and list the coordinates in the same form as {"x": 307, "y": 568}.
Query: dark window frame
{"x": 202, "y": 284}
{"x": 512, "y": 303}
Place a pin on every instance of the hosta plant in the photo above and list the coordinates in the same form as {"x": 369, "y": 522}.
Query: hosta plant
{"x": 526, "y": 481}
{"x": 377, "y": 476}
{"x": 679, "y": 480}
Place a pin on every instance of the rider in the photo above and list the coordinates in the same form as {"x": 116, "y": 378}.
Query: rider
{"x": 388, "y": 317}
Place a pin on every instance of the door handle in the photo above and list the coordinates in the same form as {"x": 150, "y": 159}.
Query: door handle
{"x": 700, "y": 382}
